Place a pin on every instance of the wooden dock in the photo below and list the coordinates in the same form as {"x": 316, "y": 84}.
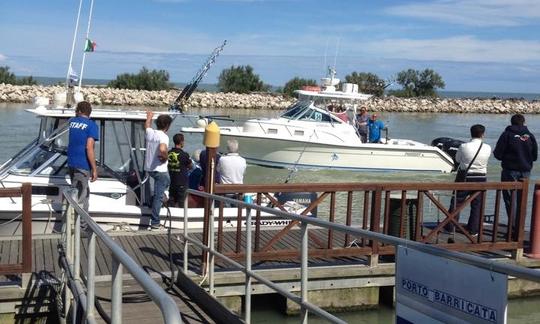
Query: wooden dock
{"x": 151, "y": 251}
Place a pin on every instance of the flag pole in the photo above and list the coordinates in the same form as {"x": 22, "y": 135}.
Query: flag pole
{"x": 73, "y": 43}
{"x": 86, "y": 40}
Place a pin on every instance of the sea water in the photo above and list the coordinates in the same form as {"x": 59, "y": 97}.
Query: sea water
{"x": 18, "y": 127}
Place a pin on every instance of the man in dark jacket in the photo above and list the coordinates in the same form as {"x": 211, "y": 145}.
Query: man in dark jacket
{"x": 517, "y": 150}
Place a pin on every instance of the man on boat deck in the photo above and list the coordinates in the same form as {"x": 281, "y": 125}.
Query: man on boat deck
{"x": 83, "y": 133}
{"x": 179, "y": 164}
{"x": 157, "y": 143}
{"x": 375, "y": 126}
{"x": 472, "y": 157}
{"x": 362, "y": 124}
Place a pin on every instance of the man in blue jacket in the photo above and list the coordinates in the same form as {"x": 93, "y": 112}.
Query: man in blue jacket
{"x": 517, "y": 150}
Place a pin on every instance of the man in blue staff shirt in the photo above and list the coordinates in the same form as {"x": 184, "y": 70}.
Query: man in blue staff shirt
{"x": 83, "y": 133}
{"x": 375, "y": 126}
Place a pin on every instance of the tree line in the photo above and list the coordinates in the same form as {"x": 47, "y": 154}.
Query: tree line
{"x": 243, "y": 79}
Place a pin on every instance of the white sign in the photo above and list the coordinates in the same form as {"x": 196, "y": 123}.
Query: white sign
{"x": 431, "y": 289}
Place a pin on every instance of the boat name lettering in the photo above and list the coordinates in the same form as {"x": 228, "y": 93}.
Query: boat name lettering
{"x": 412, "y": 154}
{"x": 441, "y": 297}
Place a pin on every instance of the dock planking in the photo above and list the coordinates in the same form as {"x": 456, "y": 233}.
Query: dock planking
{"x": 151, "y": 251}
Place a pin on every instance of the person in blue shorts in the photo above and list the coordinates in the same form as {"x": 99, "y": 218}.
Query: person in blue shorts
{"x": 83, "y": 133}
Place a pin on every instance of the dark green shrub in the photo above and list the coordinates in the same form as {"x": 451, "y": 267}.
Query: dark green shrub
{"x": 10, "y": 78}
{"x": 240, "y": 79}
{"x": 144, "y": 80}
{"x": 419, "y": 83}
{"x": 295, "y": 84}
{"x": 367, "y": 83}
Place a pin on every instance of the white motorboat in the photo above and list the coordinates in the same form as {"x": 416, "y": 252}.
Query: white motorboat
{"x": 308, "y": 135}
{"x": 120, "y": 196}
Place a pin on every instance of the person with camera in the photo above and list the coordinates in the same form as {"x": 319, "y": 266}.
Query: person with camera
{"x": 473, "y": 159}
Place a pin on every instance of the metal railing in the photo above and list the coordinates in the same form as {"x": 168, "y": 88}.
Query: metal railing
{"x": 120, "y": 260}
{"x": 302, "y": 300}
{"x": 26, "y": 193}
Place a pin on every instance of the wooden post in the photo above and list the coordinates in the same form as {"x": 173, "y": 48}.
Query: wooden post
{"x": 26, "y": 191}
{"x": 211, "y": 141}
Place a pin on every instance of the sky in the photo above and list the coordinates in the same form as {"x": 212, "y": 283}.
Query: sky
{"x": 475, "y": 45}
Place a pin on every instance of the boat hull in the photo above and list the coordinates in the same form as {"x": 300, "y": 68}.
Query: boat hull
{"x": 283, "y": 153}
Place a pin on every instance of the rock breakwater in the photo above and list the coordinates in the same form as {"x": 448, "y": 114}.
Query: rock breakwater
{"x": 123, "y": 97}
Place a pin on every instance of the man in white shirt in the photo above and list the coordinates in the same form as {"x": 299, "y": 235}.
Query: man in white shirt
{"x": 476, "y": 172}
{"x": 157, "y": 148}
{"x": 232, "y": 166}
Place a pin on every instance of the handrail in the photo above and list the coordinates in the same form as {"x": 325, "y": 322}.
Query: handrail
{"x": 121, "y": 259}
{"x": 490, "y": 265}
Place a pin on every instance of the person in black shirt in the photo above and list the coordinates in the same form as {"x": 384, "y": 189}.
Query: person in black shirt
{"x": 179, "y": 164}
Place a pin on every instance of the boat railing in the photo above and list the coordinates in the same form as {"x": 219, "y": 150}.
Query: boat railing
{"x": 71, "y": 263}
{"x": 308, "y": 225}
{"x": 415, "y": 211}
{"x": 25, "y": 191}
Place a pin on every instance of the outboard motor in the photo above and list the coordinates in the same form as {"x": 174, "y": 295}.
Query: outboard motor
{"x": 448, "y": 145}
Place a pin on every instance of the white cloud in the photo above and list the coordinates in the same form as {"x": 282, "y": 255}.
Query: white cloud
{"x": 2, "y": 57}
{"x": 457, "y": 49}
{"x": 482, "y": 13}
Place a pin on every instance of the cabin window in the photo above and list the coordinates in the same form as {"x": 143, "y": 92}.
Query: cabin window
{"x": 122, "y": 151}
{"x": 299, "y": 133}
{"x": 272, "y": 131}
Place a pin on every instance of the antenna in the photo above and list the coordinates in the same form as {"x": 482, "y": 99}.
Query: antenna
{"x": 337, "y": 50}
{"x": 73, "y": 43}
{"x": 325, "y": 54}
{"x": 87, "y": 35}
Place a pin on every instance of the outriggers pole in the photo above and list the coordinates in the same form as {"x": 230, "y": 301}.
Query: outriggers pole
{"x": 69, "y": 88}
{"x": 86, "y": 40}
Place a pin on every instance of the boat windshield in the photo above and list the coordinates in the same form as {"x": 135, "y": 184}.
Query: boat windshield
{"x": 303, "y": 110}
{"x": 119, "y": 152}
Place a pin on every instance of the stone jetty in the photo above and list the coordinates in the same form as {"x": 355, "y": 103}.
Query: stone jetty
{"x": 142, "y": 98}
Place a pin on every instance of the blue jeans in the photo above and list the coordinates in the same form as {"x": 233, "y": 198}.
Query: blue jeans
{"x": 509, "y": 176}
{"x": 161, "y": 183}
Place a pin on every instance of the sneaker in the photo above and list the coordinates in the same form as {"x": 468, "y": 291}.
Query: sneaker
{"x": 157, "y": 227}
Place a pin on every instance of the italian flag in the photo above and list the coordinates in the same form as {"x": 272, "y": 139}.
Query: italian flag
{"x": 89, "y": 46}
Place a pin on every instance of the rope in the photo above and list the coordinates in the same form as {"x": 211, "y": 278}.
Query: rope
{"x": 294, "y": 169}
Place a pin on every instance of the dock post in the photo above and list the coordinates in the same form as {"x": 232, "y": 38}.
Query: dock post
{"x": 535, "y": 224}
{"x": 91, "y": 273}
{"x": 211, "y": 142}
{"x": 304, "y": 272}
{"x": 186, "y": 243}
{"x": 69, "y": 248}
{"x": 247, "y": 317}
{"x": 116, "y": 292}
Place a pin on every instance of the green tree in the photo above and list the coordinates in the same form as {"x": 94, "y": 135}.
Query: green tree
{"x": 295, "y": 84}
{"x": 144, "y": 80}
{"x": 367, "y": 83}
{"x": 10, "y": 78}
{"x": 240, "y": 79}
{"x": 419, "y": 83}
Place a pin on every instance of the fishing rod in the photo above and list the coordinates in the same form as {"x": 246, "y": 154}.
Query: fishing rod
{"x": 178, "y": 104}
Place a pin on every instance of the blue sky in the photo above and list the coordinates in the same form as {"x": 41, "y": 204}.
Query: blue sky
{"x": 476, "y": 45}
